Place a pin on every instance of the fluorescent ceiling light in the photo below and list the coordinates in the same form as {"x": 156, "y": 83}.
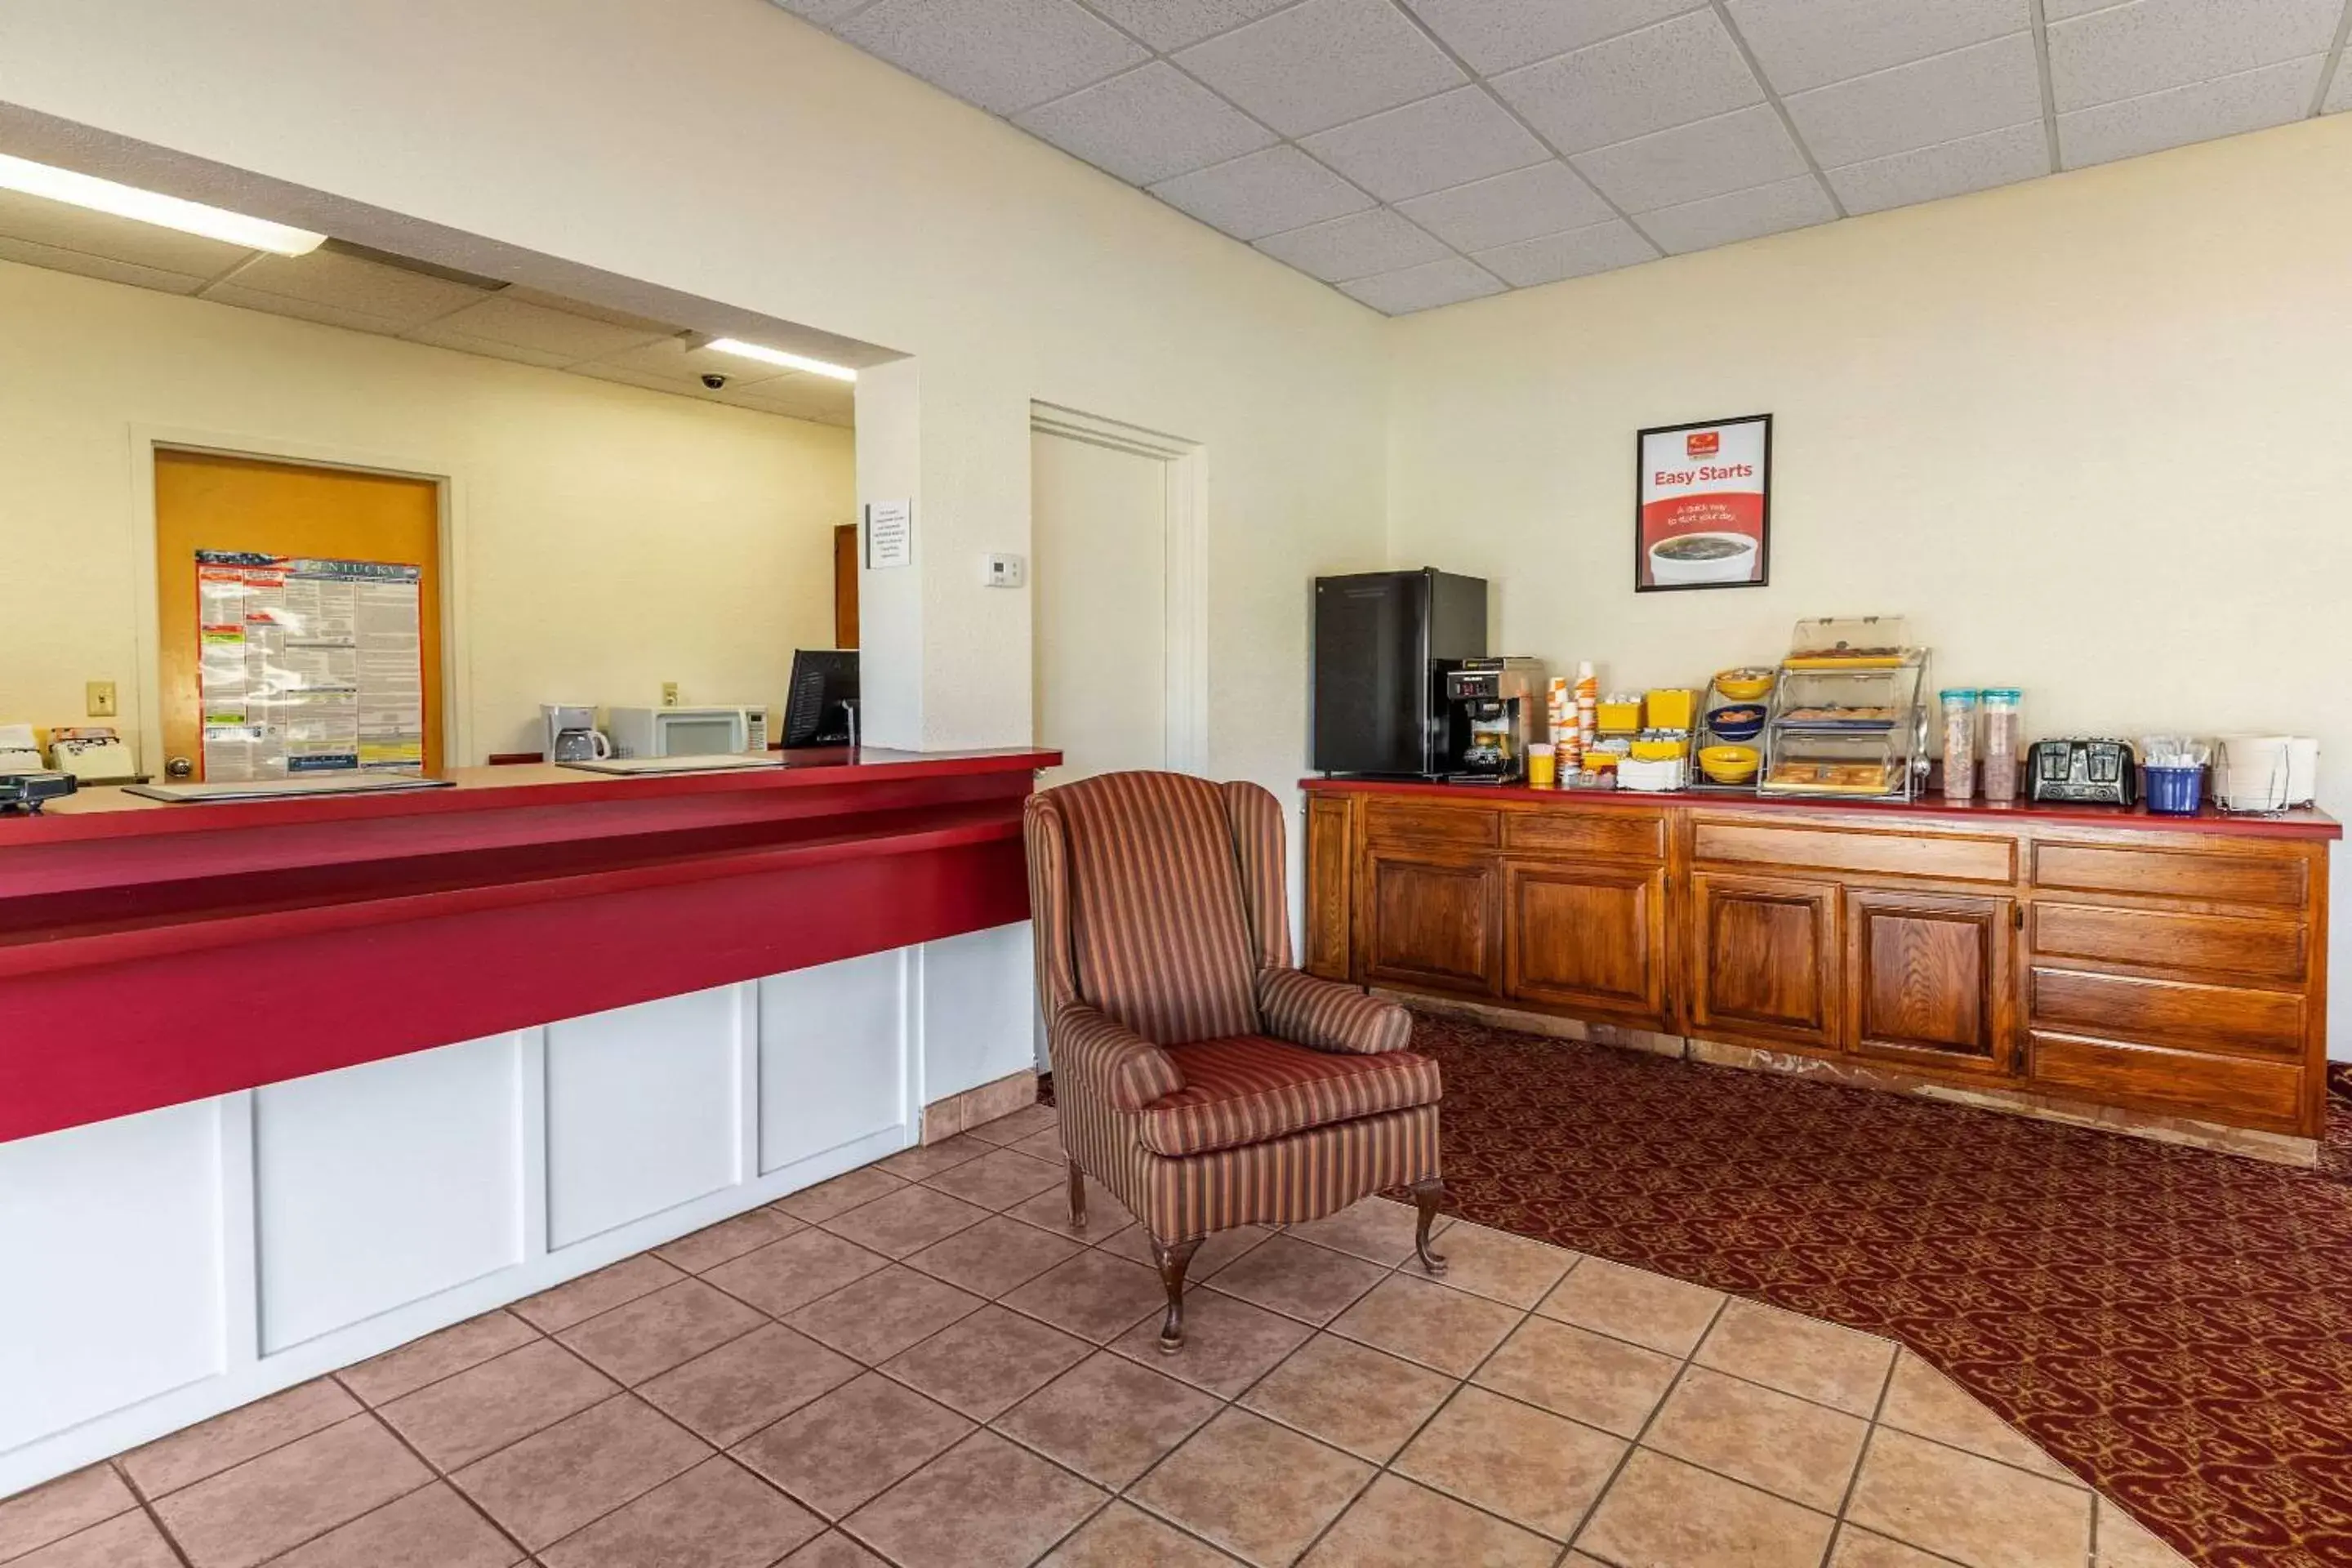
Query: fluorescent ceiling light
{"x": 147, "y": 206}
{"x": 778, "y": 356}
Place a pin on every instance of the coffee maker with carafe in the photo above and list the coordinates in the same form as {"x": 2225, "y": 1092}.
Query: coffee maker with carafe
{"x": 1490, "y": 707}
{"x": 571, "y": 733}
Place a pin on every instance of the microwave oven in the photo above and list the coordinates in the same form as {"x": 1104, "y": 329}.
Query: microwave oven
{"x": 705, "y": 731}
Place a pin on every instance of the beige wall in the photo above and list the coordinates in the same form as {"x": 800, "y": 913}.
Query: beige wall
{"x": 2086, "y": 433}
{"x": 607, "y": 539}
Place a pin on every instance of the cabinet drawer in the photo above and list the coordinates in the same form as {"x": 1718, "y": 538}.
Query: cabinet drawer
{"x": 1943, "y": 857}
{"x": 2163, "y": 939}
{"x": 1637, "y": 833}
{"x": 2221, "y": 877}
{"x": 1433, "y": 822}
{"x": 2217, "y": 1089}
{"x": 2193, "y": 1016}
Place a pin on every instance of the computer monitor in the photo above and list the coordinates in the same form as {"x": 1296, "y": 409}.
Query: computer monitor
{"x": 825, "y": 690}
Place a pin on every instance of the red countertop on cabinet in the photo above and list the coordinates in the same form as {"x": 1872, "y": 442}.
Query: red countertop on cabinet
{"x": 153, "y": 954}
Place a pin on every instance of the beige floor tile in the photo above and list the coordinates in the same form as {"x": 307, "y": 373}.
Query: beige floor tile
{"x": 126, "y": 1541}
{"x": 1860, "y": 1548}
{"x": 845, "y": 1448}
{"x": 985, "y": 1503}
{"x": 653, "y": 1334}
{"x": 433, "y": 1528}
{"x": 1494, "y": 1263}
{"x": 988, "y": 1362}
{"x": 725, "y": 1396}
{"x": 554, "y": 1482}
{"x": 1260, "y": 1490}
{"x": 2122, "y": 1542}
{"x": 1805, "y": 1452}
{"x": 1095, "y": 1296}
{"x": 1124, "y": 1536}
{"x": 480, "y": 1410}
{"x": 1513, "y": 1460}
{"x": 1313, "y": 1284}
{"x": 832, "y": 1549}
{"x": 1350, "y": 1396}
{"x": 1585, "y": 1376}
{"x": 211, "y": 1447}
{"x": 786, "y": 1275}
{"x": 839, "y": 1195}
{"x": 1050, "y": 1210}
{"x": 1800, "y": 1355}
{"x": 907, "y": 1221}
{"x": 1217, "y": 1253}
{"x": 1046, "y": 1145}
{"x": 1228, "y": 1344}
{"x": 1667, "y": 1315}
{"x": 1971, "y": 1510}
{"x": 1438, "y": 1326}
{"x": 1025, "y": 1122}
{"x": 577, "y": 1300}
{"x": 1661, "y": 1512}
{"x": 714, "y": 1245}
{"x": 1924, "y": 1402}
{"x": 995, "y": 1255}
{"x": 61, "y": 1508}
{"x": 273, "y": 1503}
{"x": 930, "y": 1159}
{"x": 998, "y": 1180}
{"x": 1396, "y": 1524}
{"x": 882, "y": 1314}
{"x": 716, "y": 1515}
{"x": 452, "y": 1350}
{"x": 1378, "y": 1229}
{"x": 1109, "y": 1418}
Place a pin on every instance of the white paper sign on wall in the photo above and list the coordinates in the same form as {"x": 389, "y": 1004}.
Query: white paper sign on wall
{"x": 889, "y": 534}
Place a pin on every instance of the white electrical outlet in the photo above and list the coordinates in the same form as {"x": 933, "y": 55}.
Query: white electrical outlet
{"x": 1004, "y": 572}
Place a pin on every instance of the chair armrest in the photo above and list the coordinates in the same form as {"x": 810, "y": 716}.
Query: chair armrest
{"x": 1104, "y": 1058}
{"x": 1325, "y": 1016}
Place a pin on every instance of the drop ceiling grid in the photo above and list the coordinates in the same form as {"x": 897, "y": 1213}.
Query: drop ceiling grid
{"x": 1310, "y": 128}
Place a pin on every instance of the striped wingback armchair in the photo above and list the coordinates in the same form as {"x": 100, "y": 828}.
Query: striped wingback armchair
{"x": 1203, "y": 1080}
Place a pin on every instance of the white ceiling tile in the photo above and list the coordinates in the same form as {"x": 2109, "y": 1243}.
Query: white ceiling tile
{"x": 1804, "y": 44}
{"x": 1497, "y": 35}
{"x": 1425, "y": 287}
{"x": 1322, "y": 64}
{"x": 824, "y": 11}
{"x": 2339, "y": 89}
{"x": 2149, "y": 45}
{"x": 2059, "y": 10}
{"x": 1972, "y": 164}
{"x": 1600, "y": 248}
{"x": 644, "y": 329}
{"x": 318, "y": 310}
{"x": 2248, "y": 101}
{"x": 69, "y": 227}
{"x": 796, "y": 398}
{"x": 1730, "y": 152}
{"x": 392, "y": 294}
{"x": 1671, "y": 74}
{"x": 1963, "y": 93}
{"x": 606, "y": 370}
{"x": 1743, "y": 215}
{"x": 558, "y": 336}
{"x": 440, "y": 335}
{"x": 1354, "y": 247}
{"x": 1003, "y": 55}
{"x": 32, "y": 253}
{"x": 1444, "y": 140}
{"x": 675, "y": 365}
{"x": 1522, "y": 204}
{"x": 1149, "y": 124}
{"x": 1263, "y": 193}
{"x": 1172, "y": 24}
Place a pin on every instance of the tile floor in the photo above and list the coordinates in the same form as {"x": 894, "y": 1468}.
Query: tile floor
{"x": 920, "y": 1364}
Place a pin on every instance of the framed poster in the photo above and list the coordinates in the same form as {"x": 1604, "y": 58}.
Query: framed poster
{"x": 1703, "y": 505}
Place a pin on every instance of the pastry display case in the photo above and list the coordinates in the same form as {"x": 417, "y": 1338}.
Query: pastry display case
{"x": 1848, "y": 714}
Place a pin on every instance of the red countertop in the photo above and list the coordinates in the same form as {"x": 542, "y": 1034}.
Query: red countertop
{"x": 2300, "y": 823}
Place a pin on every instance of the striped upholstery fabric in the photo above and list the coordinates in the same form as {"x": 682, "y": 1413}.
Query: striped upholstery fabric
{"x": 1328, "y": 1017}
{"x": 1255, "y": 822}
{"x": 1248, "y": 1089}
{"x": 1288, "y": 1180}
{"x": 1132, "y": 1071}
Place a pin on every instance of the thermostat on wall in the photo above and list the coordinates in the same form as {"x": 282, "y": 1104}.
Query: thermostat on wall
{"x": 1003, "y": 571}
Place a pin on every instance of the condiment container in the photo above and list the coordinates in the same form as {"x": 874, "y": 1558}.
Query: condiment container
{"x": 1542, "y": 766}
{"x": 2175, "y": 789}
{"x": 1671, "y": 709}
{"x": 2003, "y": 739}
{"x": 1959, "y": 743}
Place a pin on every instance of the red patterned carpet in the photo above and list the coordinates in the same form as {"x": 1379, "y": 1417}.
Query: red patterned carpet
{"x": 2173, "y": 1325}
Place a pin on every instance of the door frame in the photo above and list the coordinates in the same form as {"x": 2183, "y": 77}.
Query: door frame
{"x": 1184, "y": 592}
{"x": 146, "y": 440}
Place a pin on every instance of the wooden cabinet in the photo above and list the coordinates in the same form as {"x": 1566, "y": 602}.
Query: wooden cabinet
{"x": 1765, "y": 957}
{"x": 1927, "y": 979}
{"x": 1588, "y": 938}
{"x": 1429, "y": 917}
{"x": 1331, "y": 866}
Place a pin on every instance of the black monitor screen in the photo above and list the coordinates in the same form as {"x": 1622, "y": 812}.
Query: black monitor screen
{"x": 825, "y": 684}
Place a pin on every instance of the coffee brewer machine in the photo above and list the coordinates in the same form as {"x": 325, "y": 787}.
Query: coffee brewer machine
{"x": 571, "y": 733}
{"x": 1490, "y": 714}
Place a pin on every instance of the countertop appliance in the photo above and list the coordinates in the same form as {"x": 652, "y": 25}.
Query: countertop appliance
{"x": 571, "y": 733}
{"x": 92, "y": 755}
{"x": 702, "y": 732}
{"x": 1384, "y": 642}
{"x": 1489, "y": 713}
{"x": 2082, "y": 771}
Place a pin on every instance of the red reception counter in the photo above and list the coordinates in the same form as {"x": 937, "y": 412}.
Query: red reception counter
{"x": 155, "y": 954}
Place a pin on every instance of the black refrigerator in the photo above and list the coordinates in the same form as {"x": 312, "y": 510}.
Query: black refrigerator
{"x": 1383, "y": 641}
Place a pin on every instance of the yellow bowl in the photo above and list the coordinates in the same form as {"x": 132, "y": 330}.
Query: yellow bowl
{"x": 1729, "y": 764}
{"x": 1744, "y": 685}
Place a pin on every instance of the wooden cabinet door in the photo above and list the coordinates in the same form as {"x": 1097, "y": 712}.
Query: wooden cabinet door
{"x": 1928, "y": 979}
{"x": 1765, "y": 958}
{"x": 1589, "y": 937}
{"x": 1330, "y": 855}
{"x": 1429, "y": 919}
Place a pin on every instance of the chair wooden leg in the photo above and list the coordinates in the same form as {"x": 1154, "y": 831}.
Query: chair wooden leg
{"x": 1077, "y": 1194}
{"x": 1173, "y": 1261}
{"x": 1426, "y": 1196}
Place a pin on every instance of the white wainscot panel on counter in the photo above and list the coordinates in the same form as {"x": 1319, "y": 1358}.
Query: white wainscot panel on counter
{"x": 819, "y": 1083}
{"x": 980, "y": 1009}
